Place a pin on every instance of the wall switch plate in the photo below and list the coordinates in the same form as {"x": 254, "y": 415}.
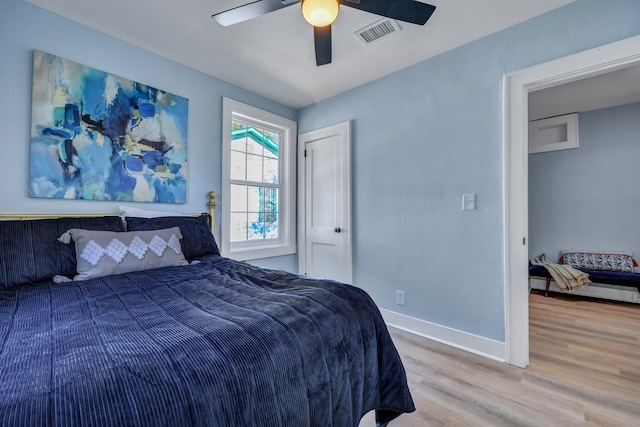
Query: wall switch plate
{"x": 468, "y": 202}
{"x": 401, "y": 298}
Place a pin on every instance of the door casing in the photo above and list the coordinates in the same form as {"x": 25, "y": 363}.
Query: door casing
{"x": 517, "y": 85}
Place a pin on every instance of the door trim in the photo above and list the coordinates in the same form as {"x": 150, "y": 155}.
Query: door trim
{"x": 517, "y": 86}
{"x": 344, "y": 130}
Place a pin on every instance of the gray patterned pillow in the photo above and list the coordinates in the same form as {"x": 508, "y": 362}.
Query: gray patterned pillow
{"x": 606, "y": 260}
{"x": 103, "y": 253}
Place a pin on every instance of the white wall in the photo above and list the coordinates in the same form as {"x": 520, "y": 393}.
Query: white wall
{"x": 429, "y": 133}
{"x": 24, "y": 27}
{"x": 589, "y": 198}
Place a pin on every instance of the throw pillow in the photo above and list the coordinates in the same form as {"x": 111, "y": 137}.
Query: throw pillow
{"x": 197, "y": 241}
{"x": 606, "y": 260}
{"x": 30, "y": 253}
{"x": 104, "y": 253}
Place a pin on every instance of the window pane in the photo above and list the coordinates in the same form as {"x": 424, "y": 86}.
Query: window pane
{"x": 270, "y": 171}
{"x": 256, "y": 227}
{"x": 238, "y": 226}
{"x": 238, "y": 198}
{"x": 269, "y": 200}
{"x": 238, "y": 165}
{"x": 238, "y": 136}
{"x": 237, "y": 125}
{"x": 254, "y": 168}
{"x": 271, "y": 230}
{"x": 271, "y": 144}
{"x": 269, "y": 212}
{"x": 239, "y": 143}
{"x": 254, "y": 199}
{"x": 271, "y": 152}
{"x": 255, "y": 143}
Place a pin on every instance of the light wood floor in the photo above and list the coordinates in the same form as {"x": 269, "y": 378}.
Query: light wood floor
{"x": 584, "y": 371}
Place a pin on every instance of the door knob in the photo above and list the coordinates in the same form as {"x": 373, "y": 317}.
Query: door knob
{"x": 337, "y": 230}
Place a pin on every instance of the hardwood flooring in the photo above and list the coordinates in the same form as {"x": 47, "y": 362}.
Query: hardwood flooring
{"x": 584, "y": 371}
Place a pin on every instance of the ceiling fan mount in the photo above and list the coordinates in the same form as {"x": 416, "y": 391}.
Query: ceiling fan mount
{"x": 322, "y": 13}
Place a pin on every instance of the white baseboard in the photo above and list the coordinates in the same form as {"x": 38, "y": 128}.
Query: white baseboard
{"x": 594, "y": 290}
{"x": 465, "y": 341}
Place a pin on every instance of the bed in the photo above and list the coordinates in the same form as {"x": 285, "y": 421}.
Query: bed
{"x": 202, "y": 341}
{"x": 612, "y": 285}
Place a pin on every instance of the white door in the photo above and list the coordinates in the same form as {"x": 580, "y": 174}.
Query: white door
{"x": 325, "y": 203}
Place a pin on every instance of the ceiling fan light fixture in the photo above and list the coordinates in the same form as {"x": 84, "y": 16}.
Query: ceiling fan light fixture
{"x": 320, "y": 13}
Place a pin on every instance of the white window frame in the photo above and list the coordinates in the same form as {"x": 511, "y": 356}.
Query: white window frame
{"x": 286, "y": 243}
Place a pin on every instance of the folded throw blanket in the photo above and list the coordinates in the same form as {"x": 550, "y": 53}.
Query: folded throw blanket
{"x": 566, "y": 277}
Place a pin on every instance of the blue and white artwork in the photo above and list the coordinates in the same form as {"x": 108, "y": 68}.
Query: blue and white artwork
{"x": 97, "y": 136}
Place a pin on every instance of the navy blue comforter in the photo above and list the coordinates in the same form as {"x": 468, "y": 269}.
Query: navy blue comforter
{"x": 219, "y": 343}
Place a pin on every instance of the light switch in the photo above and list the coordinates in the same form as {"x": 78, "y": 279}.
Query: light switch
{"x": 468, "y": 202}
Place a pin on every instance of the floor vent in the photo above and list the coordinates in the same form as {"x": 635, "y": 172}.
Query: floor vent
{"x": 377, "y": 30}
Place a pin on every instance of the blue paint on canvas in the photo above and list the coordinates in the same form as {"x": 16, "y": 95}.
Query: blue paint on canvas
{"x": 101, "y": 137}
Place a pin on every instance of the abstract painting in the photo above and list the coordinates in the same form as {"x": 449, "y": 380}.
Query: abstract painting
{"x": 97, "y": 136}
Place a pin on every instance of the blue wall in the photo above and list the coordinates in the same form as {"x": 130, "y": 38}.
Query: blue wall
{"x": 429, "y": 133}
{"x": 24, "y": 27}
{"x": 421, "y": 138}
{"x": 589, "y": 198}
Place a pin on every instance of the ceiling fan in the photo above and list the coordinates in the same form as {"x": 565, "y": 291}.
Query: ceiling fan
{"x": 321, "y": 13}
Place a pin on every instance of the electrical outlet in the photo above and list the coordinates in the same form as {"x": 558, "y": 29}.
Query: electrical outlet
{"x": 401, "y": 298}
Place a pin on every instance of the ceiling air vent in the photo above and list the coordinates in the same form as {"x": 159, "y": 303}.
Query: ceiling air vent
{"x": 377, "y": 30}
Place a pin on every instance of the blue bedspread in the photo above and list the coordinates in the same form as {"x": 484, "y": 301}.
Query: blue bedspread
{"x": 219, "y": 343}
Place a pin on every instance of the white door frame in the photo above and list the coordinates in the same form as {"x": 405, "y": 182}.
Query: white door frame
{"x": 517, "y": 86}
{"x": 343, "y": 129}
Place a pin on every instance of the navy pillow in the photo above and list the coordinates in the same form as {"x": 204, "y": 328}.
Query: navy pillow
{"x": 197, "y": 239}
{"x": 30, "y": 251}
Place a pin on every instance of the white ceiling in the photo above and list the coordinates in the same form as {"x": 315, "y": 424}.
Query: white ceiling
{"x": 273, "y": 55}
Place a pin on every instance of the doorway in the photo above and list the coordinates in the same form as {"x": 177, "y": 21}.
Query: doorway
{"x": 324, "y": 203}
{"x": 518, "y": 85}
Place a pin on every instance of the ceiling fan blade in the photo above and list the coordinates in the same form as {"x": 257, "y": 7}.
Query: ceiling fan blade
{"x": 411, "y": 11}
{"x": 250, "y": 11}
{"x": 322, "y": 39}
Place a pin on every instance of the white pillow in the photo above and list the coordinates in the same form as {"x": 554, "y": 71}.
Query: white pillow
{"x": 145, "y": 213}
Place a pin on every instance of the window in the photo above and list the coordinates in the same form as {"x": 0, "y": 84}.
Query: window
{"x": 258, "y": 179}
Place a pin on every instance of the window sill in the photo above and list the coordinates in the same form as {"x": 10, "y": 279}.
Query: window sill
{"x": 250, "y": 253}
